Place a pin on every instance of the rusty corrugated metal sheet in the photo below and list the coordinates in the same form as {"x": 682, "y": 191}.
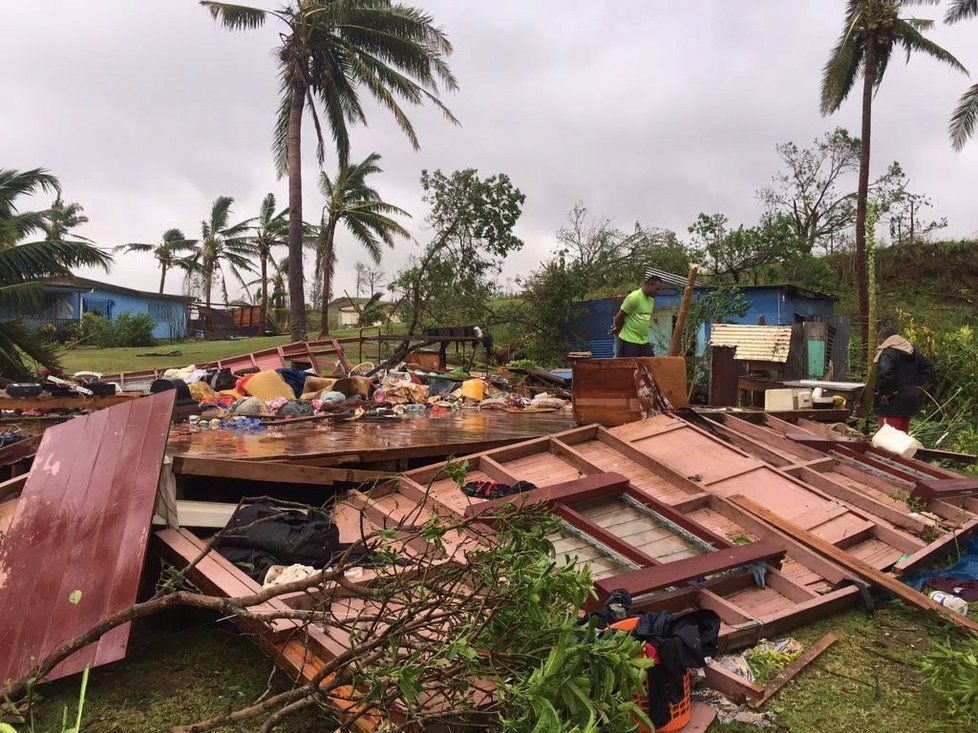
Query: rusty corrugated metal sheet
{"x": 74, "y": 551}
{"x": 753, "y": 343}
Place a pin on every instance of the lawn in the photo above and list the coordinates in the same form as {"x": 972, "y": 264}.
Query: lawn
{"x": 185, "y": 666}
{"x": 126, "y": 359}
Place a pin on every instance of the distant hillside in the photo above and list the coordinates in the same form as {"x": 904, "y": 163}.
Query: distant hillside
{"x": 937, "y": 281}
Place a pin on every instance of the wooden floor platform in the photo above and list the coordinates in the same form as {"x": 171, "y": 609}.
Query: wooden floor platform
{"x": 370, "y": 441}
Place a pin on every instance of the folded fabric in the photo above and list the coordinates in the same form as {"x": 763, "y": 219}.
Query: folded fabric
{"x": 282, "y": 574}
{"x": 295, "y": 378}
{"x": 180, "y": 372}
{"x": 275, "y": 405}
{"x": 268, "y": 386}
{"x": 330, "y": 396}
{"x": 250, "y": 407}
{"x": 317, "y": 384}
{"x": 202, "y": 392}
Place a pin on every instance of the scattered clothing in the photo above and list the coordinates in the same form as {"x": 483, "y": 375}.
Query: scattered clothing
{"x": 261, "y": 535}
{"x": 275, "y": 405}
{"x": 495, "y": 489}
{"x": 331, "y": 397}
{"x": 965, "y": 589}
{"x": 202, "y": 392}
{"x": 616, "y": 608}
{"x": 249, "y": 407}
{"x": 296, "y": 408}
{"x": 682, "y": 641}
{"x": 295, "y": 379}
{"x": 268, "y": 385}
{"x": 282, "y": 574}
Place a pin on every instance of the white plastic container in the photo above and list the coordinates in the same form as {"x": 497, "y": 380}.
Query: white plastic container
{"x": 895, "y": 441}
{"x": 958, "y": 605}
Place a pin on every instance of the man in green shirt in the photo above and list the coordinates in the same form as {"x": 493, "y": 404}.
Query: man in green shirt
{"x": 631, "y": 324}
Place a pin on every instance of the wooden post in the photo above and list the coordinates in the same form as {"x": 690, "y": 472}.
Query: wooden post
{"x": 677, "y": 332}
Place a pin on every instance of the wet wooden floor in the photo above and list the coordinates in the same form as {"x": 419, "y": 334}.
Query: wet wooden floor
{"x": 362, "y": 441}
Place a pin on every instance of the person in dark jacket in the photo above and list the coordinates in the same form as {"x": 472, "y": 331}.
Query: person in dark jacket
{"x": 900, "y": 371}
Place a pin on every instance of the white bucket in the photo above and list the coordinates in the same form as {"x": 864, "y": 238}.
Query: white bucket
{"x": 895, "y": 441}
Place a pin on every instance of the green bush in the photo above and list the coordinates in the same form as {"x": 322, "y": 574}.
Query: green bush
{"x": 127, "y": 329}
{"x": 952, "y": 673}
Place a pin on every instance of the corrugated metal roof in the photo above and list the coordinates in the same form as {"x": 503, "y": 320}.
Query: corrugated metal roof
{"x": 753, "y": 343}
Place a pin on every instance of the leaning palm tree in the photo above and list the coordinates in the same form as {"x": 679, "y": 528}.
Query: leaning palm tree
{"x": 873, "y": 28}
{"x": 270, "y": 230}
{"x": 23, "y": 264}
{"x": 172, "y": 251}
{"x": 965, "y": 117}
{"x": 352, "y": 202}
{"x": 61, "y": 218}
{"x": 332, "y": 50}
{"x": 222, "y": 244}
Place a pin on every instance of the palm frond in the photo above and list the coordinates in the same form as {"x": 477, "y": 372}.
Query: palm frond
{"x": 16, "y": 342}
{"x": 236, "y": 17}
{"x": 38, "y": 260}
{"x": 913, "y": 40}
{"x": 961, "y": 10}
{"x": 965, "y": 118}
{"x": 25, "y": 297}
{"x": 134, "y": 247}
{"x": 842, "y": 69}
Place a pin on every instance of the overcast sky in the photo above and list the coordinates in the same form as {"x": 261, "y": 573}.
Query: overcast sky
{"x": 646, "y": 110}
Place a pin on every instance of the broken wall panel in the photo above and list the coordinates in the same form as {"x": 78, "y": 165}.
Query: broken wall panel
{"x": 73, "y": 552}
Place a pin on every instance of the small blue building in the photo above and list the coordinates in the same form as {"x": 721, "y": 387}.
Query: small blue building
{"x": 779, "y": 305}
{"x": 65, "y": 301}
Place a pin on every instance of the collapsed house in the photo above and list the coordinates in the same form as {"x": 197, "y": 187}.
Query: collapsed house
{"x": 768, "y": 522}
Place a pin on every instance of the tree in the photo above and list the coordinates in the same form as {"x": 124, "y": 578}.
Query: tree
{"x": 331, "y": 50}
{"x": 268, "y": 232}
{"x": 167, "y": 253}
{"x": 873, "y": 28}
{"x": 965, "y": 116}
{"x": 374, "y": 277}
{"x": 23, "y": 264}
{"x": 360, "y": 270}
{"x": 745, "y": 250}
{"x": 61, "y": 218}
{"x": 906, "y": 224}
{"x": 472, "y": 221}
{"x": 364, "y": 214}
{"x": 222, "y": 244}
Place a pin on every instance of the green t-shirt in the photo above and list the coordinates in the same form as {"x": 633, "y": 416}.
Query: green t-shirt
{"x": 638, "y": 313}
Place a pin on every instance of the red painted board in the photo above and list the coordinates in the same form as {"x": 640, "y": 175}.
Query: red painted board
{"x": 74, "y": 551}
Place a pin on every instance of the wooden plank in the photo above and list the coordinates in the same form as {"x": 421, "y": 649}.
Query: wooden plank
{"x": 732, "y": 686}
{"x": 272, "y": 472}
{"x": 75, "y": 549}
{"x": 80, "y": 402}
{"x": 789, "y": 672}
{"x": 645, "y": 580}
{"x": 843, "y": 558}
{"x": 605, "y": 392}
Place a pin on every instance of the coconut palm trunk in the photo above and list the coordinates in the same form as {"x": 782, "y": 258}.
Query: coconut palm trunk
{"x": 162, "y": 278}
{"x": 297, "y": 301}
{"x": 263, "y": 310}
{"x": 862, "y": 192}
{"x": 328, "y": 257}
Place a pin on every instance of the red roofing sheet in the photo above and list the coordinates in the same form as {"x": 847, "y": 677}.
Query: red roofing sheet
{"x": 74, "y": 552}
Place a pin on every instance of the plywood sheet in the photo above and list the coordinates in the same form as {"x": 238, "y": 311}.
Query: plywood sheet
{"x": 74, "y": 551}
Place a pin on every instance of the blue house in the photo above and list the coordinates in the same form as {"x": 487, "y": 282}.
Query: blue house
{"x": 65, "y": 301}
{"x": 779, "y": 305}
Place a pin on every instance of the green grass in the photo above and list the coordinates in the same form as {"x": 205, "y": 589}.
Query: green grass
{"x": 125, "y": 359}
{"x": 181, "y": 668}
{"x": 867, "y": 682}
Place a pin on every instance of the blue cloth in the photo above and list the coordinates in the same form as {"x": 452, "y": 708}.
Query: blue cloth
{"x": 295, "y": 379}
{"x": 966, "y": 568}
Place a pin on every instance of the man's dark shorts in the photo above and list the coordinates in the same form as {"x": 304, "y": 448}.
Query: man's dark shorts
{"x": 628, "y": 350}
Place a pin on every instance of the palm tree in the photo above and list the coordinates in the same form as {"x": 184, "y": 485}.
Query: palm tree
{"x": 167, "y": 252}
{"x": 61, "y": 219}
{"x": 873, "y": 28}
{"x": 24, "y": 264}
{"x": 965, "y": 116}
{"x": 222, "y": 243}
{"x": 331, "y": 50}
{"x": 270, "y": 231}
{"x": 350, "y": 201}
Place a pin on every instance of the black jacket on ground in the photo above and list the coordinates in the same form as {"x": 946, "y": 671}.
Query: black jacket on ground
{"x": 898, "y": 379}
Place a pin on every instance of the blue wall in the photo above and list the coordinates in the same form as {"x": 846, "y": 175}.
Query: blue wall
{"x": 169, "y": 314}
{"x": 777, "y": 303}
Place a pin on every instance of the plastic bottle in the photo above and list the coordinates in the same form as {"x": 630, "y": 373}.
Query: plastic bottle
{"x": 958, "y": 605}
